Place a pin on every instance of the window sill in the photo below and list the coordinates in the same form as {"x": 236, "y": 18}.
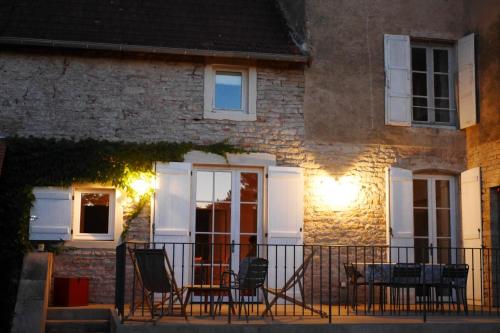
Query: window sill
{"x": 422, "y": 125}
{"x": 230, "y": 115}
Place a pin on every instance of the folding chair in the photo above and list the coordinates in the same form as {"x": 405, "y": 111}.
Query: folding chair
{"x": 155, "y": 275}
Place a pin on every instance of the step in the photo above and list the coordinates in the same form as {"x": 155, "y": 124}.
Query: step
{"x": 64, "y": 313}
{"x": 77, "y": 326}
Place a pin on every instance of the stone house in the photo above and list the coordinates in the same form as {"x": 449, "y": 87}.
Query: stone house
{"x": 361, "y": 116}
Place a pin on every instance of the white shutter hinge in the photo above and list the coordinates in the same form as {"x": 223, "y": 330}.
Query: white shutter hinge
{"x": 267, "y": 175}
{"x": 72, "y": 197}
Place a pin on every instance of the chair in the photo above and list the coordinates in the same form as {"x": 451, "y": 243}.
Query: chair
{"x": 405, "y": 276}
{"x": 156, "y": 275}
{"x": 353, "y": 276}
{"x": 251, "y": 276}
{"x": 454, "y": 278}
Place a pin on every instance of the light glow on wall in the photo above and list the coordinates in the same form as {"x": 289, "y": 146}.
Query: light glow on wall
{"x": 141, "y": 184}
{"x": 337, "y": 193}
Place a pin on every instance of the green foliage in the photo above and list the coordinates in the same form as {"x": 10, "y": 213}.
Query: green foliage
{"x": 33, "y": 162}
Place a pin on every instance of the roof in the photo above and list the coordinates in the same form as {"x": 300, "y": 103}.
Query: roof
{"x": 227, "y": 26}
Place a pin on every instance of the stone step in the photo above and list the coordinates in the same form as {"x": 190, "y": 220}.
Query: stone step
{"x": 64, "y": 313}
{"x": 77, "y": 326}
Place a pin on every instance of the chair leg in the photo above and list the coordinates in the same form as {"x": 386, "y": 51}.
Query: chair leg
{"x": 266, "y": 300}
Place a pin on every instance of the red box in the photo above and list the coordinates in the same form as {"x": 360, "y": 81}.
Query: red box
{"x": 71, "y": 291}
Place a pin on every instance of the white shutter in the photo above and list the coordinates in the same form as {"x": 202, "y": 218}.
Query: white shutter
{"x": 172, "y": 214}
{"x": 285, "y": 221}
{"x": 397, "y": 80}
{"x": 471, "y": 230}
{"x": 51, "y": 214}
{"x": 399, "y": 200}
{"x": 466, "y": 81}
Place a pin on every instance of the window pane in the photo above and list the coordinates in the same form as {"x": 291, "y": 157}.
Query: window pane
{"x": 248, "y": 218}
{"x": 418, "y": 59}
{"x": 222, "y": 186}
{"x": 443, "y": 223}
{"x": 419, "y": 101}
{"x": 420, "y": 193}
{"x": 420, "y": 222}
{"x": 442, "y": 103}
{"x": 441, "y": 85}
{"x": 441, "y": 61}
{"x": 94, "y": 213}
{"x": 222, "y": 217}
{"x": 442, "y": 194}
{"x": 420, "y": 114}
{"x": 203, "y": 217}
{"x": 442, "y": 116}
{"x": 228, "y": 90}
{"x": 204, "y": 186}
{"x": 248, "y": 187}
{"x": 419, "y": 81}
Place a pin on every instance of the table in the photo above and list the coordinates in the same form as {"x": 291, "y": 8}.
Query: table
{"x": 207, "y": 290}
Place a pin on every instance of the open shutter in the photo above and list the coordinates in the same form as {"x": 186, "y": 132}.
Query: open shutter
{"x": 397, "y": 80}
{"x": 285, "y": 221}
{"x": 51, "y": 214}
{"x": 472, "y": 230}
{"x": 172, "y": 214}
{"x": 400, "y": 214}
{"x": 466, "y": 81}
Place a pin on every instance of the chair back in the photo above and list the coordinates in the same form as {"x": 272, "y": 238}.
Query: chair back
{"x": 352, "y": 273}
{"x": 255, "y": 274}
{"x": 152, "y": 267}
{"x": 455, "y": 274}
{"x": 407, "y": 274}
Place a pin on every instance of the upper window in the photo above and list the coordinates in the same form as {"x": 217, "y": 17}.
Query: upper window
{"x": 432, "y": 85}
{"x": 230, "y": 92}
{"x": 93, "y": 214}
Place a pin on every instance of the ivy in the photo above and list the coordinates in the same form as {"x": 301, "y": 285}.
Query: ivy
{"x": 31, "y": 162}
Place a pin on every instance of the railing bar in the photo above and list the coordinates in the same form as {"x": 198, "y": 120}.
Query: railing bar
{"x": 338, "y": 282}
{"x": 329, "y": 284}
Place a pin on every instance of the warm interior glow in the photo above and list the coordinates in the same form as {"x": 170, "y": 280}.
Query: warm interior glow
{"x": 337, "y": 193}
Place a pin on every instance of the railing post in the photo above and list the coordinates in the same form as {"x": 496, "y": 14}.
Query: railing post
{"x": 121, "y": 258}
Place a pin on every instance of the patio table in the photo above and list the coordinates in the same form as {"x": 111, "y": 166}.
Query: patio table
{"x": 376, "y": 273}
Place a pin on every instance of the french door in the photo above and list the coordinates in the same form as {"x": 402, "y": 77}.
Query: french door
{"x": 226, "y": 225}
{"x": 434, "y": 219}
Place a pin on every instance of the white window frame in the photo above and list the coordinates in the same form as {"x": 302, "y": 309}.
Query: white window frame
{"x": 248, "y": 93}
{"x": 431, "y": 115}
{"x": 432, "y": 209}
{"x": 77, "y": 235}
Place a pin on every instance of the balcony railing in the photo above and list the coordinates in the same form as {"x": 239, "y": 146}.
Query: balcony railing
{"x": 308, "y": 280}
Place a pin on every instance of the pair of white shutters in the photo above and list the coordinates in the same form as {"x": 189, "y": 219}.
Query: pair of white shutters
{"x": 285, "y": 216}
{"x": 400, "y": 221}
{"x": 398, "y": 76}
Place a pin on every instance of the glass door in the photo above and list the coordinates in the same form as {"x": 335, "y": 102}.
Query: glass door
{"x": 226, "y": 226}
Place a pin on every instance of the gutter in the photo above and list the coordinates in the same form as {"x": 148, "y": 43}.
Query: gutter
{"x": 152, "y": 49}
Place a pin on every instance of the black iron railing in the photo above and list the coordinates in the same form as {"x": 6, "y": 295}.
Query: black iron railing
{"x": 311, "y": 280}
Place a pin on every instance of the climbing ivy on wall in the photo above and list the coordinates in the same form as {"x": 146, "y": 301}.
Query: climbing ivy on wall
{"x": 31, "y": 162}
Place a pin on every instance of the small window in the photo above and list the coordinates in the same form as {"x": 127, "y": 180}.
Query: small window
{"x": 93, "y": 214}
{"x": 230, "y": 92}
{"x": 432, "y": 85}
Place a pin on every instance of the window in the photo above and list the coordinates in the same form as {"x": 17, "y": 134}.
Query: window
{"x": 93, "y": 214}
{"x": 432, "y": 85}
{"x": 230, "y": 92}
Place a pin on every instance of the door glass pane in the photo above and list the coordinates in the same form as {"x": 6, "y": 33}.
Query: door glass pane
{"x": 444, "y": 251}
{"x": 222, "y": 217}
{"x": 421, "y": 250}
{"x": 248, "y": 218}
{"x": 203, "y": 217}
{"x": 420, "y": 193}
{"x": 94, "y": 213}
{"x": 222, "y": 248}
{"x": 204, "y": 186}
{"x": 222, "y": 186}
{"x": 248, "y": 246}
{"x": 443, "y": 223}
{"x": 441, "y": 61}
{"x": 420, "y": 222}
{"x": 248, "y": 187}
{"x": 228, "y": 90}
{"x": 418, "y": 59}
{"x": 419, "y": 84}
{"x": 442, "y": 194}
{"x": 202, "y": 249}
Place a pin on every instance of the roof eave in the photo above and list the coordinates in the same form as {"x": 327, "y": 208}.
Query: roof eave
{"x": 298, "y": 58}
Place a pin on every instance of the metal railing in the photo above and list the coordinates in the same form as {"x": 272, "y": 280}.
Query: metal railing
{"x": 320, "y": 281}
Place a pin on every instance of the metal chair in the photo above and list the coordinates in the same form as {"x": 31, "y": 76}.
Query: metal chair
{"x": 405, "y": 276}
{"x": 251, "y": 276}
{"x": 454, "y": 278}
{"x": 353, "y": 276}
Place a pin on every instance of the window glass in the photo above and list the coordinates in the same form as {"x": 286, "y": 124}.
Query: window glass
{"x": 418, "y": 59}
{"x": 228, "y": 90}
{"x": 94, "y": 213}
{"x": 441, "y": 61}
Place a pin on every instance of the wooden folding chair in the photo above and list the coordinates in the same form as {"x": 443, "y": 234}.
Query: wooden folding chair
{"x": 295, "y": 279}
